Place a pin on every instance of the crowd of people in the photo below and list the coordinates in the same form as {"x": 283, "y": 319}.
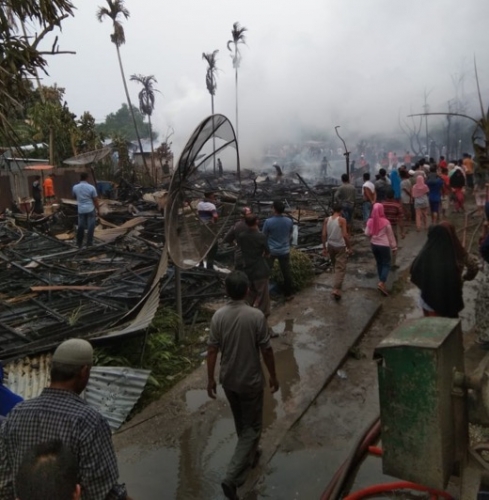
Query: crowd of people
{"x": 422, "y": 195}
{"x": 56, "y": 446}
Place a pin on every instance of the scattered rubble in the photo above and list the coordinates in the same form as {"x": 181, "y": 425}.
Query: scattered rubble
{"x": 52, "y": 290}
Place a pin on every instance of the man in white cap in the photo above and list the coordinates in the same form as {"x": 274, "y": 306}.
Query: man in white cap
{"x": 59, "y": 413}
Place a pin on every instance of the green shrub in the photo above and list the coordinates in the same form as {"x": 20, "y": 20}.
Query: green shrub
{"x": 168, "y": 360}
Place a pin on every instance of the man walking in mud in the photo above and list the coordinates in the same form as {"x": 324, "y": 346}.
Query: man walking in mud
{"x": 336, "y": 244}
{"x": 240, "y": 332}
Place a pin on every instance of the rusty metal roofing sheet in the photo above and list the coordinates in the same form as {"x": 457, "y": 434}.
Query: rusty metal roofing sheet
{"x": 114, "y": 391}
{"x": 28, "y": 376}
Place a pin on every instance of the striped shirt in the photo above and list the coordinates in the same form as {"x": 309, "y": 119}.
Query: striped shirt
{"x": 393, "y": 211}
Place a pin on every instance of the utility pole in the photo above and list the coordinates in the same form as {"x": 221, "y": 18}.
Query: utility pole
{"x": 346, "y": 154}
{"x": 426, "y": 109}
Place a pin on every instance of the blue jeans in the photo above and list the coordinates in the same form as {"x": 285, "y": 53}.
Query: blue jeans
{"x": 86, "y": 221}
{"x": 367, "y": 209}
{"x": 347, "y": 212}
{"x": 382, "y": 256}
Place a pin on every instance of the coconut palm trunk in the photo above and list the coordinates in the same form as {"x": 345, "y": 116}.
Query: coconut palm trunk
{"x": 213, "y": 136}
{"x": 210, "y": 81}
{"x": 153, "y": 167}
{"x": 236, "y": 87}
{"x": 129, "y": 103}
{"x": 115, "y": 10}
{"x": 146, "y": 106}
{"x": 238, "y": 37}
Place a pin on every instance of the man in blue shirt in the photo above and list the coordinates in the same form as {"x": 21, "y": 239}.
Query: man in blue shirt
{"x": 8, "y": 399}
{"x": 435, "y": 185}
{"x": 278, "y": 230}
{"x": 86, "y": 196}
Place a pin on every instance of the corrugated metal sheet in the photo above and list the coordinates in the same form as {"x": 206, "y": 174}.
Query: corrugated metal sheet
{"x": 28, "y": 376}
{"x": 89, "y": 157}
{"x": 114, "y": 391}
{"x": 148, "y": 305}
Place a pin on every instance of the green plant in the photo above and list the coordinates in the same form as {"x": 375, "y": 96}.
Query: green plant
{"x": 301, "y": 269}
{"x": 157, "y": 351}
{"x": 75, "y": 316}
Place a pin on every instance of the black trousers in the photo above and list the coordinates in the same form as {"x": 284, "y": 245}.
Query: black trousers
{"x": 284, "y": 263}
{"x": 247, "y": 411}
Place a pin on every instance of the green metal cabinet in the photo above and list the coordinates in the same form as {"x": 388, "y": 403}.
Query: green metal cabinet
{"x": 416, "y": 363}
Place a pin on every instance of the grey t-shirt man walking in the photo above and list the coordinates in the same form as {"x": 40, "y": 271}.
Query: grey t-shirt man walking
{"x": 240, "y": 332}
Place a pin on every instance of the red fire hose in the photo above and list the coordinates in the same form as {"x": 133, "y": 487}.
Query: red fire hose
{"x": 363, "y": 445}
{"x": 400, "y": 485}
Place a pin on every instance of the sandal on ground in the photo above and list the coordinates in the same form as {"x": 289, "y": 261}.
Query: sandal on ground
{"x": 383, "y": 290}
{"x": 256, "y": 458}
{"x": 229, "y": 491}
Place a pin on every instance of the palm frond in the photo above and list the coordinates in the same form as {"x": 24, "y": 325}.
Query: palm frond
{"x": 210, "y": 76}
{"x": 115, "y": 10}
{"x": 146, "y": 95}
{"x": 238, "y": 33}
{"x": 211, "y": 59}
{"x": 102, "y": 12}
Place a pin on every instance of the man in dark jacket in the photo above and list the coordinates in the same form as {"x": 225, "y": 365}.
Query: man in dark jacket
{"x": 232, "y": 235}
{"x": 254, "y": 252}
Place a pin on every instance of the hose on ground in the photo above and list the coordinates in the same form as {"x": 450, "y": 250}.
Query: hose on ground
{"x": 337, "y": 484}
{"x": 364, "y": 444}
{"x": 399, "y": 485}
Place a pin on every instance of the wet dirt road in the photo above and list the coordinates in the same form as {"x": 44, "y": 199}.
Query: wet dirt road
{"x": 314, "y": 449}
{"x": 179, "y": 446}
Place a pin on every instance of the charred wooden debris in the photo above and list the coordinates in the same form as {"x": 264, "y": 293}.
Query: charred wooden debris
{"x": 51, "y": 290}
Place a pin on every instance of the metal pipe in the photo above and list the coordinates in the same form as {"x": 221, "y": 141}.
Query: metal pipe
{"x": 178, "y": 296}
{"x": 346, "y": 153}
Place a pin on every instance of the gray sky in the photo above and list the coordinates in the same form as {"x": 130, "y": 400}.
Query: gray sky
{"x": 312, "y": 63}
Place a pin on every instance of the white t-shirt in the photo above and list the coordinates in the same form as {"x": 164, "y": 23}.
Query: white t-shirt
{"x": 369, "y": 185}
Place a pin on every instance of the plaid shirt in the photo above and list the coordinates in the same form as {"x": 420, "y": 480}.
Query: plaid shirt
{"x": 61, "y": 414}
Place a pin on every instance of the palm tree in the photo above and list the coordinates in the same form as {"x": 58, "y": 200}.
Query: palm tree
{"x": 210, "y": 82}
{"x": 238, "y": 34}
{"x": 115, "y": 11}
{"x": 146, "y": 106}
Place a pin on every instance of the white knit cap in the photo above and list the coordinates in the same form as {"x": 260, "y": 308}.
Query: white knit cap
{"x": 76, "y": 352}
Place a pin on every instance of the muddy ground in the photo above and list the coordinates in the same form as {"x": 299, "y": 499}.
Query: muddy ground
{"x": 179, "y": 446}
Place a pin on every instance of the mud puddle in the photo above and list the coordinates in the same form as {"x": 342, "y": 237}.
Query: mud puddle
{"x": 196, "y": 463}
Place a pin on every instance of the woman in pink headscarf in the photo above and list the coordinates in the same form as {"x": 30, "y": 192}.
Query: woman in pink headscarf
{"x": 420, "y": 196}
{"x": 382, "y": 239}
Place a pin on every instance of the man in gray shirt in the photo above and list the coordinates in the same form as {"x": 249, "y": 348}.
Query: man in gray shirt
{"x": 240, "y": 332}
{"x": 345, "y": 196}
